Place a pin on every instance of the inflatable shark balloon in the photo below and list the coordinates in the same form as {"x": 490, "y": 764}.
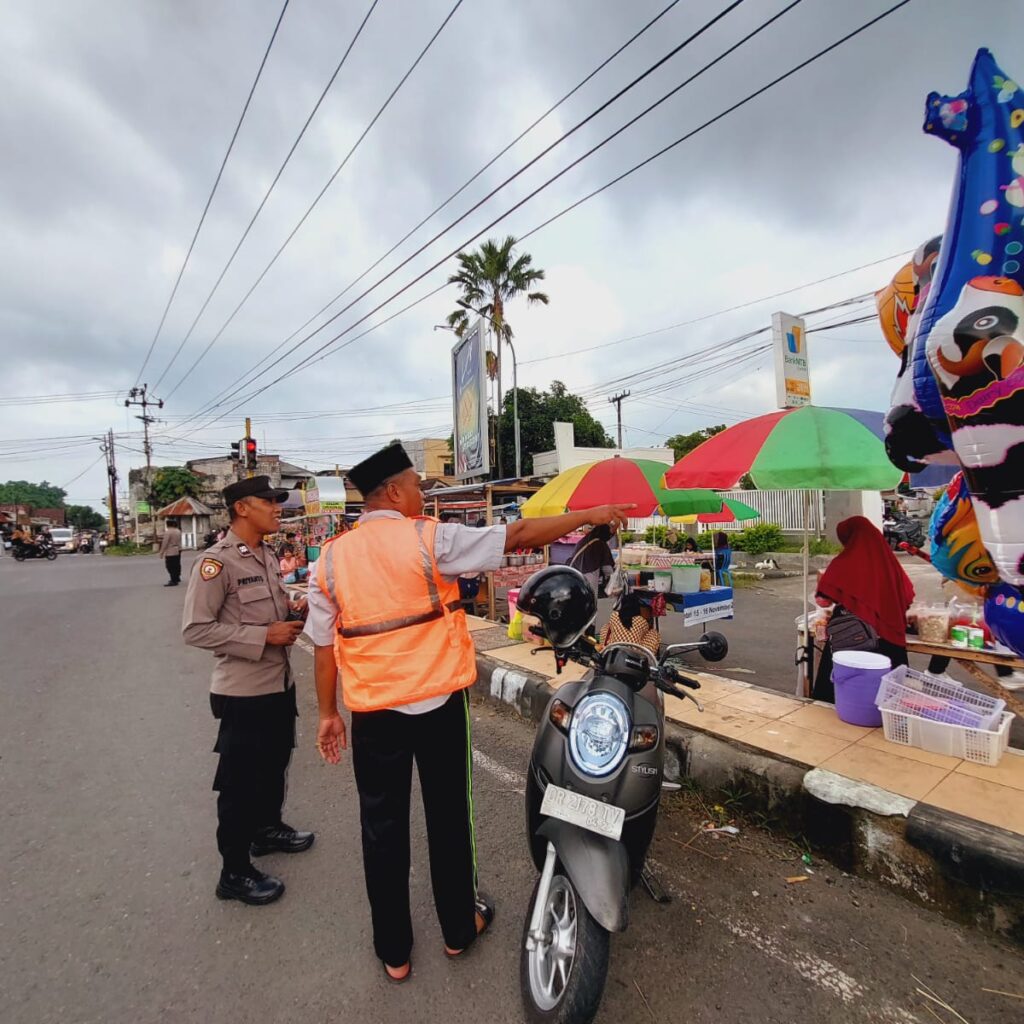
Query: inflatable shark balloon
{"x": 971, "y": 331}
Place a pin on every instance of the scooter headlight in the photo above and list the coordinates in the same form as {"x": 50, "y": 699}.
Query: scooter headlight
{"x": 599, "y": 733}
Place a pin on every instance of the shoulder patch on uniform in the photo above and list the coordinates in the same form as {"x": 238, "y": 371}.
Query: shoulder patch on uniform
{"x": 210, "y": 568}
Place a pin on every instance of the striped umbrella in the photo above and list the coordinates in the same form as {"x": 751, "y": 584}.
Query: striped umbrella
{"x": 811, "y": 448}
{"x": 618, "y": 481}
{"x": 733, "y": 511}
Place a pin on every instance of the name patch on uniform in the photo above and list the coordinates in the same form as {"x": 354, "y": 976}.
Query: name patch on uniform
{"x": 251, "y": 579}
{"x": 210, "y": 568}
{"x": 244, "y": 550}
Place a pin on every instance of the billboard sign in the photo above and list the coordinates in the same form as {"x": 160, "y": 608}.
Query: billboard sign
{"x": 469, "y": 400}
{"x": 792, "y": 375}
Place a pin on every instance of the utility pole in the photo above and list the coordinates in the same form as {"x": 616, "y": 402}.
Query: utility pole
{"x": 107, "y": 447}
{"x": 617, "y": 401}
{"x": 138, "y": 396}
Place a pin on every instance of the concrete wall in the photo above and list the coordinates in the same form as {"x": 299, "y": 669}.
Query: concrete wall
{"x": 840, "y": 505}
{"x": 566, "y": 454}
{"x": 429, "y": 455}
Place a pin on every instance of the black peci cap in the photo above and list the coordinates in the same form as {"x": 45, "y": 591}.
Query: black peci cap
{"x": 257, "y": 487}
{"x": 381, "y": 466}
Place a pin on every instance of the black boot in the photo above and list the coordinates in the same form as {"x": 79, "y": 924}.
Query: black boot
{"x": 280, "y": 839}
{"x": 252, "y": 887}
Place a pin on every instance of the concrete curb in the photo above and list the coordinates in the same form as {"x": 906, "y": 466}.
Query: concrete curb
{"x": 970, "y": 872}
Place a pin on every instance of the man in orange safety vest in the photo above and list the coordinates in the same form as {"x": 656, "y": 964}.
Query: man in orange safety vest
{"x": 383, "y": 609}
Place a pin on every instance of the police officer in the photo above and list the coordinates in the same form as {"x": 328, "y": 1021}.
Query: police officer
{"x": 384, "y": 608}
{"x": 237, "y": 607}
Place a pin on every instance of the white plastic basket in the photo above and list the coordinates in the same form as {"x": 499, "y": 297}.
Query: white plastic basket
{"x": 921, "y": 710}
{"x": 981, "y": 746}
{"x": 938, "y": 700}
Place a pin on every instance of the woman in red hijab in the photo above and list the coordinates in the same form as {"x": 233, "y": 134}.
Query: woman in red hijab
{"x": 865, "y": 580}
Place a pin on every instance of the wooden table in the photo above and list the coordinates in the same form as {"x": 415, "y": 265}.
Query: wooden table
{"x": 970, "y": 660}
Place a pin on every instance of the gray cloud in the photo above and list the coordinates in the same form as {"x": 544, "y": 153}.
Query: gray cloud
{"x": 117, "y": 116}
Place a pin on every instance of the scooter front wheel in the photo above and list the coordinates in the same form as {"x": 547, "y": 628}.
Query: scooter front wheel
{"x": 562, "y": 977}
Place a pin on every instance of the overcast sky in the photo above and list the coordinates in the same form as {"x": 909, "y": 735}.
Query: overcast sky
{"x": 117, "y": 114}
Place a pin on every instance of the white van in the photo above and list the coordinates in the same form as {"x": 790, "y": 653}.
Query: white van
{"x": 63, "y": 538}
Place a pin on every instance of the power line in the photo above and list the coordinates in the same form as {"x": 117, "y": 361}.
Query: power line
{"x": 330, "y": 181}
{"x": 580, "y": 124}
{"x": 82, "y": 396}
{"x": 78, "y": 476}
{"x": 721, "y": 312}
{"x": 273, "y": 184}
{"x": 759, "y": 92}
{"x": 209, "y": 198}
{"x": 469, "y": 181}
{"x": 776, "y": 81}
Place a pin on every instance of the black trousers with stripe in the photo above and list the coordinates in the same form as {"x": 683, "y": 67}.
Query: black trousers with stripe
{"x": 384, "y": 746}
{"x": 255, "y": 742}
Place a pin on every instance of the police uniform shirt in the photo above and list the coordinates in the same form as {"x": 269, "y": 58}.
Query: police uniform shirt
{"x": 458, "y": 549}
{"x": 234, "y": 593}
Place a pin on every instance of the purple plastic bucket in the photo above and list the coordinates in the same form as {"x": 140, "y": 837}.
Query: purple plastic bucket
{"x": 857, "y": 676}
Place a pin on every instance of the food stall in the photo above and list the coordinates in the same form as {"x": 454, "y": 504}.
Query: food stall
{"x": 322, "y": 514}
{"x": 488, "y": 501}
{"x": 687, "y": 587}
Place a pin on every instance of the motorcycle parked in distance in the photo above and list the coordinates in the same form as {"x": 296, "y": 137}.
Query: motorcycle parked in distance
{"x": 41, "y": 549}
{"x": 900, "y": 528}
{"x": 592, "y": 794}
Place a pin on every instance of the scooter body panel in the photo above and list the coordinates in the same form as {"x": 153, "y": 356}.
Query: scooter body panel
{"x": 635, "y": 786}
{"x": 598, "y": 868}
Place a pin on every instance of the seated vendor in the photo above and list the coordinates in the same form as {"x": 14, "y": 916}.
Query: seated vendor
{"x": 291, "y": 571}
{"x": 632, "y": 622}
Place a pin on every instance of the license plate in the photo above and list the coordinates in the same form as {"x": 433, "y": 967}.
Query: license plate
{"x": 577, "y": 809}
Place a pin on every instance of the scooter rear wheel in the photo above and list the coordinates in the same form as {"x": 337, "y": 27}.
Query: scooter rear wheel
{"x": 563, "y": 978}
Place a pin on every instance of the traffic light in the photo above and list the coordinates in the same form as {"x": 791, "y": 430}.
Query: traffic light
{"x": 236, "y": 450}
{"x": 250, "y": 453}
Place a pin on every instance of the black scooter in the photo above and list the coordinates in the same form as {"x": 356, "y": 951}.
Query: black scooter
{"x": 592, "y": 794}
{"x": 42, "y": 549}
{"x": 902, "y": 529}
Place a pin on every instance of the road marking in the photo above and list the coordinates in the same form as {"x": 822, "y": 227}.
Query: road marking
{"x": 304, "y": 644}
{"x": 812, "y": 968}
{"x": 513, "y": 779}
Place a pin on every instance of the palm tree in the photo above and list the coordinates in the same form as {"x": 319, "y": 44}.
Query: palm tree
{"x": 489, "y": 279}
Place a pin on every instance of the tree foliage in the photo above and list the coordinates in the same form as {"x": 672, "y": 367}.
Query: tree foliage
{"x": 81, "y": 517}
{"x": 683, "y": 444}
{"x": 489, "y": 279}
{"x": 41, "y": 495}
{"x": 538, "y": 413}
{"x": 173, "y": 482}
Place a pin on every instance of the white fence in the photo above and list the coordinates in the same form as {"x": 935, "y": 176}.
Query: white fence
{"x": 786, "y": 508}
{"x": 783, "y": 507}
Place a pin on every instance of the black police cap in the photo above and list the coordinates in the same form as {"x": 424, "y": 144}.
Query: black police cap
{"x": 381, "y": 466}
{"x": 256, "y": 487}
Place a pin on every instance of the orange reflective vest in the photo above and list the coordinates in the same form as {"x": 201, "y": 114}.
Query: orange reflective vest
{"x": 401, "y": 635}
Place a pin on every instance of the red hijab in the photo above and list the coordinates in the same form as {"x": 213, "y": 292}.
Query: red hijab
{"x": 866, "y": 579}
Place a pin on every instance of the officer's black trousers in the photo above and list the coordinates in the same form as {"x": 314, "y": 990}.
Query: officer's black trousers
{"x": 173, "y": 566}
{"x": 384, "y": 745}
{"x": 255, "y": 744}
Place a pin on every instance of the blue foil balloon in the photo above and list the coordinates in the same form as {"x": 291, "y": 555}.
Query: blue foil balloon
{"x": 970, "y": 338}
{"x": 1004, "y": 615}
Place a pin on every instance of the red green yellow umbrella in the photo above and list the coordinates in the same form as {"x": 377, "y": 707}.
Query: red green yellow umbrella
{"x": 618, "y": 481}
{"x": 811, "y": 448}
{"x": 732, "y": 511}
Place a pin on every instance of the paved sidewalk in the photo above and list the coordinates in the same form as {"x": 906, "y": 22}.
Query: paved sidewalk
{"x": 961, "y": 809}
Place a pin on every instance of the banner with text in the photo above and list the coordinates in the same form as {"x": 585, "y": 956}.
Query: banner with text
{"x": 469, "y": 397}
{"x": 792, "y": 375}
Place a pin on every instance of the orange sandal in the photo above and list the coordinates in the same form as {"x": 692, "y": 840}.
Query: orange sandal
{"x": 485, "y": 911}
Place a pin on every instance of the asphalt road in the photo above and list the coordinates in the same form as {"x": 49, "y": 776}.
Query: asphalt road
{"x": 107, "y": 911}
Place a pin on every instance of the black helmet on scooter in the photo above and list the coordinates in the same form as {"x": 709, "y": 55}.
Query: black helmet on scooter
{"x": 562, "y": 599}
